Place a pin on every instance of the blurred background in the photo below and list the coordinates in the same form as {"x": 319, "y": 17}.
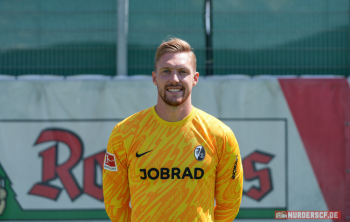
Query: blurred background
{"x": 251, "y": 37}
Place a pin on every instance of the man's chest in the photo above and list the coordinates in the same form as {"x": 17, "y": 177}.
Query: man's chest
{"x": 173, "y": 157}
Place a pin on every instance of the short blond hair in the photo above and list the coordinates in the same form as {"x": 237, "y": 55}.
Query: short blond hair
{"x": 174, "y": 45}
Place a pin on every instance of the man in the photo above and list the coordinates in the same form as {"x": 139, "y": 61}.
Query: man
{"x": 170, "y": 161}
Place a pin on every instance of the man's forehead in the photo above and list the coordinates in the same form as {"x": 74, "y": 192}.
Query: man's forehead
{"x": 175, "y": 58}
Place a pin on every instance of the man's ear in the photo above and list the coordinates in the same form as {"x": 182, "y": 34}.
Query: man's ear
{"x": 154, "y": 79}
{"x": 195, "y": 78}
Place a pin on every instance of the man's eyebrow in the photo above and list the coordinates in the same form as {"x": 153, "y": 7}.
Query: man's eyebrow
{"x": 164, "y": 67}
{"x": 184, "y": 68}
{"x": 179, "y": 68}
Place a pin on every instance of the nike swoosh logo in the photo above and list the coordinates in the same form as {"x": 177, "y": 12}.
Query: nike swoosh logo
{"x": 139, "y": 155}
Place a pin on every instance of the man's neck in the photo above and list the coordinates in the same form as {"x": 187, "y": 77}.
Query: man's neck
{"x": 173, "y": 113}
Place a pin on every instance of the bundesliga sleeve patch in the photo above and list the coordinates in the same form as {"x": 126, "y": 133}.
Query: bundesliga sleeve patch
{"x": 110, "y": 163}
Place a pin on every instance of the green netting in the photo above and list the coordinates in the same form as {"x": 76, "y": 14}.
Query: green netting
{"x": 296, "y": 37}
{"x": 60, "y": 37}
{"x": 250, "y": 37}
{"x": 150, "y": 22}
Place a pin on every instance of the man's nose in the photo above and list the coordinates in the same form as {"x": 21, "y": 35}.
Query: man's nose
{"x": 174, "y": 77}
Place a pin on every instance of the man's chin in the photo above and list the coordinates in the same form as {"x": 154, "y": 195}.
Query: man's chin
{"x": 174, "y": 103}
{"x": 171, "y": 100}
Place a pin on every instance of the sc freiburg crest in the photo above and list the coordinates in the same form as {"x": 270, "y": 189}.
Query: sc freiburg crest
{"x": 199, "y": 153}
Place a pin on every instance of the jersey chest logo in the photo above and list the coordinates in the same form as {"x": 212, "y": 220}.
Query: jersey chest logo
{"x": 139, "y": 155}
{"x": 199, "y": 153}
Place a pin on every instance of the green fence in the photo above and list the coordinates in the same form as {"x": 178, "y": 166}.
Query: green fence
{"x": 250, "y": 37}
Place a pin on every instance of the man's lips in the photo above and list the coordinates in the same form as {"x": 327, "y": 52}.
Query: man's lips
{"x": 174, "y": 89}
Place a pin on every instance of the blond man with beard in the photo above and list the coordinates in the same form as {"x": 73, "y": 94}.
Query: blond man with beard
{"x": 171, "y": 160}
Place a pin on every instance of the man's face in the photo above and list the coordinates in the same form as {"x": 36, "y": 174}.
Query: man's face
{"x": 175, "y": 77}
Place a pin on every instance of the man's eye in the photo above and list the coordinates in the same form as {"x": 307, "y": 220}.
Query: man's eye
{"x": 183, "y": 71}
{"x": 166, "y": 71}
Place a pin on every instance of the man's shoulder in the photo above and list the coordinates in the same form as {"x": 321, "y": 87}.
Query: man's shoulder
{"x": 134, "y": 119}
{"x": 212, "y": 123}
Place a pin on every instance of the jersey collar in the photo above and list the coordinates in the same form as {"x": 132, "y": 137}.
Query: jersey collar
{"x": 178, "y": 123}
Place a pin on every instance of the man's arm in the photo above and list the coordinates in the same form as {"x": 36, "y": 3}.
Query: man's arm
{"x": 115, "y": 179}
{"x": 229, "y": 180}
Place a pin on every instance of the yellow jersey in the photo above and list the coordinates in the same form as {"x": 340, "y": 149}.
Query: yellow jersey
{"x": 172, "y": 171}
